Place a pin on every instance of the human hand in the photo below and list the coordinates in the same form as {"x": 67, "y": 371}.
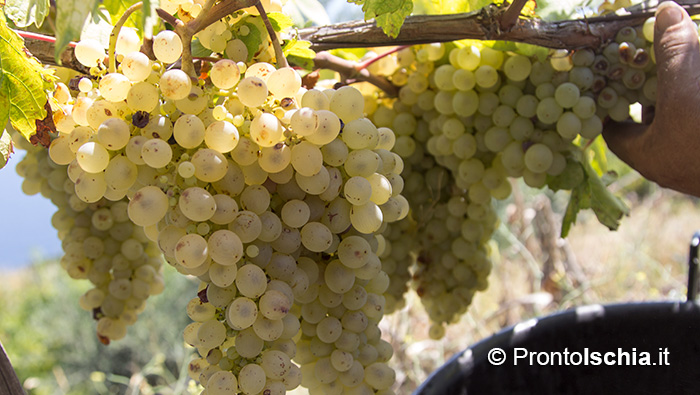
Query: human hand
{"x": 668, "y": 150}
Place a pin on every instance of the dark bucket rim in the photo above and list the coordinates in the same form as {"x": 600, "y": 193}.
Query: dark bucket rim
{"x": 462, "y": 363}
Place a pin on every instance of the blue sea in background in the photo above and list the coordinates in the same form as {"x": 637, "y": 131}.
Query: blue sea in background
{"x": 26, "y": 234}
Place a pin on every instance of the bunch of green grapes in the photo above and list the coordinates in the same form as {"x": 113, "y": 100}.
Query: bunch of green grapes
{"x": 271, "y": 194}
{"x": 488, "y": 116}
{"x": 440, "y": 249}
{"x": 100, "y": 244}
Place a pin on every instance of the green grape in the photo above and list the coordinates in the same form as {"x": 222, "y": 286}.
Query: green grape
{"x": 538, "y": 158}
{"x": 569, "y": 125}
{"x": 517, "y": 68}
{"x": 567, "y": 95}
{"x": 548, "y": 110}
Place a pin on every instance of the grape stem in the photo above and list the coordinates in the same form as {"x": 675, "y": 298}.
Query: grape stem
{"x": 510, "y": 17}
{"x": 210, "y": 14}
{"x": 350, "y": 72}
{"x": 115, "y": 35}
{"x": 363, "y": 65}
{"x": 279, "y": 54}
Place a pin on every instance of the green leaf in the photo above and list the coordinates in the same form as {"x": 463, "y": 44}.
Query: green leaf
{"x": 479, "y": 4}
{"x": 98, "y": 27}
{"x": 599, "y": 159}
{"x": 117, "y": 7}
{"x": 198, "y": 50}
{"x": 25, "y": 12}
{"x": 253, "y": 39}
{"x": 389, "y": 14}
{"x": 380, "y": 7}
{"x": 572, "y": 176}
{"x": 578, "y": 201}
{"x": 592, "y": 193}
{"x": 279, "y": 21}
{"x": 23, "y": 83}
{"x": 299, "y": 53}
{"x": 71, "y": 15}
{"x": 5, "y": 148}
{"x": 423, "y": 7}
{"x": 354, "y": 54}
{"x": 391, "y": 22}
{"x": 607, "y": 207}
{"x": 532, "y": 50}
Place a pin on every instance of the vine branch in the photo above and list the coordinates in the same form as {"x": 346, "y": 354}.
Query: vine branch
{"x": 512, "y": 14}
{"x": 348, "y": 69}
{"x": 482, "y": 25}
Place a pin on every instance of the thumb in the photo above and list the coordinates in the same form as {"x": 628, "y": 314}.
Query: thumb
{"x": 677, "y": 53}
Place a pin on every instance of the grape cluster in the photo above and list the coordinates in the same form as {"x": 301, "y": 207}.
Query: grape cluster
{"x": 272, "y": 195}
{"x": 486, "y": 116}
{"x": 100, "y": 244}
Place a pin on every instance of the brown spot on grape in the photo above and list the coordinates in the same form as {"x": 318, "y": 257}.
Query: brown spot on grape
{"x": 103, "y": 339}
{"x": 202, "y": 295}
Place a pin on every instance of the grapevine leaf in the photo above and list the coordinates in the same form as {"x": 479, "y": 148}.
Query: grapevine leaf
{"x": 25, "y": 12}
{"x": 423, "y": 7}
{"x": 389, "y": 14}
{"x": 380, "y": 7}
{"x": 23, "y": 83}
{"x": 592, "y": 193}
{"x": 391, "y": 22}
{"x": 299, "y": 53}
{"x": 72, "y": 15}
{"x": 44, "y": 128}
{"x": 532, "y": 50}
{"x": 354, "y": 54}
{"x": 98, "y": 26}
{"x": 578, "y": 201}
{"x": 607, "y": 207}
{"x": 279, "y": 21}
{"x": 198, "y": 50}
{"x": 148, "y": 14}
{"x": 479, "y": 4}
{"x": 6, "y": 148}
{"x": 252, "y": 40}
{"x": 117, "y": 7}
{"x": 311, "y": 10}
{"x": 572, "y": 176}
{"x": 599, "y": 159}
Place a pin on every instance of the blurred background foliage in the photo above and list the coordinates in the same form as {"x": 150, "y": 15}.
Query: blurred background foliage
{"x": 54, "y": 350}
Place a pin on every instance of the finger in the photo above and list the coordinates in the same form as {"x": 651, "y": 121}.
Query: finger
{"x": 627, "y": 141}
{"x": 677, "y": 55}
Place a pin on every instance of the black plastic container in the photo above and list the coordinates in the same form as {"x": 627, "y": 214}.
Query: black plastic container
{"x": 668, "y": 332}
{"x": 633, "y": 348}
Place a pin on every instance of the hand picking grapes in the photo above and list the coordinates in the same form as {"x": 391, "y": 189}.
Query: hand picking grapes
{"x": 665, "y": 151}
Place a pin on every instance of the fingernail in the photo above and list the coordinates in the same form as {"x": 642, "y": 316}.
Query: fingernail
{"x": 667, "y": 15}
